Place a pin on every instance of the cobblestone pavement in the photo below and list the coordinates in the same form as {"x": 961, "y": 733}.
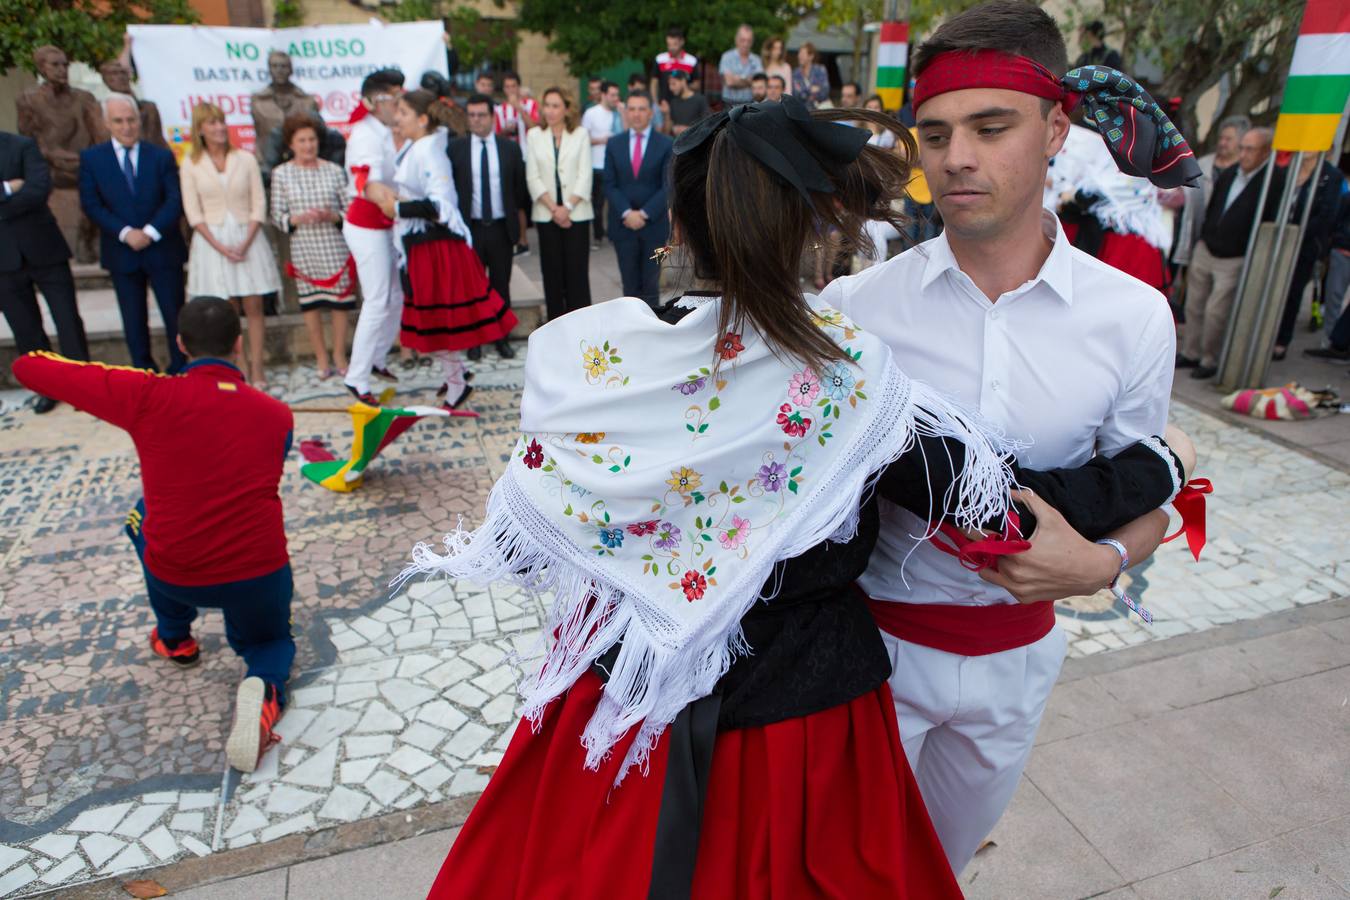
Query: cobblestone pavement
{"x": 111, "y": 762}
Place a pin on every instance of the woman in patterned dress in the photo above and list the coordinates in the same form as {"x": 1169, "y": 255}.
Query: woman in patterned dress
{"x": 309, "y": 197}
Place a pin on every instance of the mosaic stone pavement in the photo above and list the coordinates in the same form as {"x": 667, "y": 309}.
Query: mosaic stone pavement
{"x": 109, "y": 762}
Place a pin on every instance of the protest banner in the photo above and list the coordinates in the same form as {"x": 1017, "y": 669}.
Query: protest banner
{"x": 180, "y": 66}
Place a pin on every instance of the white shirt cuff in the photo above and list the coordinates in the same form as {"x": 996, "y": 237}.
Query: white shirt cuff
{"x": 152, "y": 232}
{"x": 8, "y": 192}
{"x": 122, "y": 235}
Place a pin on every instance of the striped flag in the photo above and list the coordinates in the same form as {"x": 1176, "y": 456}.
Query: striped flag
{"x": 1319, "y": 79}
{"x": 374, "y": 427}
{"x": 892, "y": 58}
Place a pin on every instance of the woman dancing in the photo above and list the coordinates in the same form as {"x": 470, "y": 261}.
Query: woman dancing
{"x": 448, "y": 305}
{"x": 712, "y": 717}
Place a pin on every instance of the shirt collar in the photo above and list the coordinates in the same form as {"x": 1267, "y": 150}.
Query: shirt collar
{"x": 214, "y": 361}
{"x": 646, "y": 133}
{"x": 118, "y": 146}
{"x": 1056, "y": 272}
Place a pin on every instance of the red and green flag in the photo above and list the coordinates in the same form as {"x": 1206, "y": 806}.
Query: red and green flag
{"x": 374, "y": 428}
{"x": 1319, "y": 79}
{"x": 892, "y": 60}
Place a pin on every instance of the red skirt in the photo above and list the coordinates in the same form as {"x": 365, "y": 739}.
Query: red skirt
{"x": 448, "y": 304}
{"x": 1135, "y": 256}
{"x": 818, "y": 806}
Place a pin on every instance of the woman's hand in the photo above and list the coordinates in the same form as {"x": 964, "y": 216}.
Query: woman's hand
{"x": 388, "y": 204}
{"x": 561, "y": 217}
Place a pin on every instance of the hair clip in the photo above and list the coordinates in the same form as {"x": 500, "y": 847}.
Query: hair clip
{"x": 662, "y": 252}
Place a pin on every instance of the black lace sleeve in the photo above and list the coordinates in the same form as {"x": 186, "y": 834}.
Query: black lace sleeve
{"x": 1095, "y": 498}
{"x": 418, "y": 209}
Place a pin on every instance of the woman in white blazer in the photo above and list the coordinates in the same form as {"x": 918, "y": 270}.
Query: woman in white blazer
{"x": 224, "y": 203}
{"x": 558, "y": 175}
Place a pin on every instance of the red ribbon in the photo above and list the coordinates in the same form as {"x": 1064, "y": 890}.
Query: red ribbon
{"x": 1190, "y": 506}
{"x": 348, "y": 269}
{"x": 976, "y": 555}
{"x": 359, "y": 113}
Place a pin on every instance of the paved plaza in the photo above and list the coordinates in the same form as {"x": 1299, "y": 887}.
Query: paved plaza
{"x": 112, "y": 762}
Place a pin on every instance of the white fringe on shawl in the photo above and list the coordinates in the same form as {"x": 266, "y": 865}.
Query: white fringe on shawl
{"x": 652, "y": 679}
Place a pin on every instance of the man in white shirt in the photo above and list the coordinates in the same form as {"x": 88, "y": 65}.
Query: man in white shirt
{"x": 369, "y": 233}
{"x": 602, "y": 121}
{"x": 1068, "y": 355}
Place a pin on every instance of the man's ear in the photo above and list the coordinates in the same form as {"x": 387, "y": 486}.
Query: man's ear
{"x": 1058, "y": 124}
{"x": 178, "y": 339}
{"x": 238, "y": 345}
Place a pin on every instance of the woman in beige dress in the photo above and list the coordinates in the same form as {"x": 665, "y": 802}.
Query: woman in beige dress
{"x": 225, "y": 204}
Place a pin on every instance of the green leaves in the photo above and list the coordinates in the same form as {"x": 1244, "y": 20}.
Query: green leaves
{"x": 713, "y": 404}
{"x": 89, "y": 31}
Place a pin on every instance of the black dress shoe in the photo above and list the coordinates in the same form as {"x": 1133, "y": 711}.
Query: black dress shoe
{"x": 1185, "y": 362}
{"x": 43, "y": 405}
{"x": 1199, "y": 373}
{"x": 383, "y": 374}
{"x": 505, "y": 350}
{"x": 460, "y": 400}
{"x": 367, "y": 398}
{"x": 1330, "y": 354}
{"x": 475, "y": 353}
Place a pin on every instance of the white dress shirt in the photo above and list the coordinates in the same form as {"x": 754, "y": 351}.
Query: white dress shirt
{"x": 1078, "y": 359}
{"x": 600, "y": 122}
{"x": 135, "y": 152}
{"x": 494, "y": 177}
{"x": 371, "y": 144}
{"x": 1240, "y": 181}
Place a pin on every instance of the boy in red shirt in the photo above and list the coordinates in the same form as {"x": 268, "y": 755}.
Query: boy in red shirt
{"x": 209, "y": 530}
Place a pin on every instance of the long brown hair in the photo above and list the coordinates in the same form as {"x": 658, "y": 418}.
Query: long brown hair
{"x": 746, "y": 230}
{"x": 569, "y": 108}
{"x": 201, "y": 114}
{"x": 438, "y": 112}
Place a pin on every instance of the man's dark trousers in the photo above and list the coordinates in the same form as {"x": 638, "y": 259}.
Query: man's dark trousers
{"x": 257, "y": 613}
{"x": 25, "y": 318}
{"x": 130, "y": 287}
{"x": 639, "y": 271}
{"x": 492, "y": 241}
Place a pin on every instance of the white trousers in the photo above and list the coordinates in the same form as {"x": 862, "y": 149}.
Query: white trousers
{"x": 381, "y": 300}
{"x": 967, "y": 724}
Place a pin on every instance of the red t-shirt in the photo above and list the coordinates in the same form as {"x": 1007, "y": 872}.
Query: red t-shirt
{"x": 211, "y": 448}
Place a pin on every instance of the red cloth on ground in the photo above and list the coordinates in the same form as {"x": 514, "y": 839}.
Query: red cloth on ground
{"x": 211, "y": 450}
{"x": 818, "y": 806}
{"x": 450, "y": 305}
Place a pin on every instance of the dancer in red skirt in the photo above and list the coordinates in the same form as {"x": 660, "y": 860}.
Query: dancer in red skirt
{"x": 694, "y": 490}
{"x": 448, "y": 305}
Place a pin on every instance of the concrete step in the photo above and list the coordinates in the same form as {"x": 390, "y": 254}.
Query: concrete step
{"x": 287, "y": 339}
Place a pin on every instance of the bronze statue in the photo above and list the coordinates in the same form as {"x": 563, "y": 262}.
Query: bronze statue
{"x": 278, "y": 100}
{"x": 117, "y": 77}
{"x": 64, "y": 121}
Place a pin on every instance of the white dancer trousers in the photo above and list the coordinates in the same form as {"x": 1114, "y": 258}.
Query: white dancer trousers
{"x": 967, "y": 724}
{"x": 381, "y": 300}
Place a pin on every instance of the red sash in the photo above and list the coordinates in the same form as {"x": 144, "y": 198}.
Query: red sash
{"x": 965, "y": 630}
{"x": 362, "y": 212}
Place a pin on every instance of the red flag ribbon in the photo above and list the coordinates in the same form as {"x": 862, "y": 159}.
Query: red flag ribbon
{"x": 976, "y": 555}
{"x": 359, "y": 113}
{"x": 348, "y": 269}
{"x": 1190, "y": 506}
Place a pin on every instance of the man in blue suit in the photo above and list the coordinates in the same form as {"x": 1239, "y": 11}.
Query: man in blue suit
{"x": 129, "y": 189}
{"x": 637, "y": 164}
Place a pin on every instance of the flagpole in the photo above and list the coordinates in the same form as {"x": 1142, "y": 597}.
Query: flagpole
{"x": 456, "y": 413}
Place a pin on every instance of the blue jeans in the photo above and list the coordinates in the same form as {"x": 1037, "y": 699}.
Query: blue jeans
{"x": 257, "y": 613}
{"x": 1338, "y": 280}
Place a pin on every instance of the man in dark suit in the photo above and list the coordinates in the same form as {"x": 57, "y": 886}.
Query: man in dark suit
{"x": 490, "y": 181}
{"x": 637, "y": 164}
{"x": 129, "y": 188}
{"x": 33, "y": 252}
{"x": 1216, "y": 263}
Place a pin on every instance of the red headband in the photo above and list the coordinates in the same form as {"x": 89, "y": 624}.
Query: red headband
{"x": 959, "y": 70}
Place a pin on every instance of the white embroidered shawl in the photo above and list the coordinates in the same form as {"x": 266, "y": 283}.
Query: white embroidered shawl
{"x": 1127, "y": 204}
{"x": 653, "y": 492}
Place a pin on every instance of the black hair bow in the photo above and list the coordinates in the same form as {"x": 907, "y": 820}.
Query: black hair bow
{"x": 784, "y": 138}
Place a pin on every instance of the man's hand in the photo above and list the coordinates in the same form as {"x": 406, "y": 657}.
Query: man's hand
{"x": 15, "y": 185}
{"x": 138, "y": 240}
{"x": 1061, "y": 562}
{"x": 633, "y": 219}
